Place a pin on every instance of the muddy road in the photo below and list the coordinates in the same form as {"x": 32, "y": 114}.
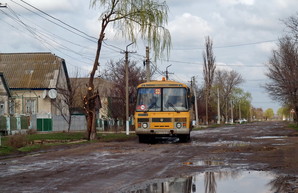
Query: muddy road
{"x": 256, "y": 157}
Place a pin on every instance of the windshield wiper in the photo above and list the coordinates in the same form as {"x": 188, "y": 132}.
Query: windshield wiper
{"x": 171, "y": 105}
{"x": 151, "y": 106}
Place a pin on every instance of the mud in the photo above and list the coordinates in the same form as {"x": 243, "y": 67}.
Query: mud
{"x": 261, "y": 152}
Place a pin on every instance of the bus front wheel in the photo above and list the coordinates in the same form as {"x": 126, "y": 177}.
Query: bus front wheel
{"x": 184, "y": 138}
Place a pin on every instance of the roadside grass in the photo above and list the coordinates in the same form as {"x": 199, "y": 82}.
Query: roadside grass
{"x": 294, "y": 126}
{"x": 37, "y": 141}
{"x": 57, "y": 136}
{"x": 116, "y": 137}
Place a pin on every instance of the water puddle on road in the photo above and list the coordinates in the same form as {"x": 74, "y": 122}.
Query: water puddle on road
{"x": 224, "y": 143}
{"x": 270, "y": 137}
{"x": 213, "y": 182}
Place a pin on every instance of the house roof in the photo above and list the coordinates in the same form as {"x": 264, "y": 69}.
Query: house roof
{"x": 31, "y": 70}
{"x": 4, "y": 82}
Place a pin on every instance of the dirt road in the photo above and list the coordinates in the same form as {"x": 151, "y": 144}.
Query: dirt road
{"x": 212, "y": 154}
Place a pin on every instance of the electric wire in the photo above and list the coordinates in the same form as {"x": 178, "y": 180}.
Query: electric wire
{"x": 42, "y": 40}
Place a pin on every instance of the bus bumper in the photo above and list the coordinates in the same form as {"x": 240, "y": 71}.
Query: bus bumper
{"x": 162, "y": 131}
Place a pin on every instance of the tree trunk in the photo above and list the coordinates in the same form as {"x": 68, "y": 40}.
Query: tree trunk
{"x": 295, "y": 115}
{"x": 92, "y": 95}
{"x": 69, "y": 123}
{"x": 206, "y": 108}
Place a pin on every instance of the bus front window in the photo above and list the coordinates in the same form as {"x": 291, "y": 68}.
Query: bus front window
{"x": 149, "y": 99}
{"x": 174, "y": 99}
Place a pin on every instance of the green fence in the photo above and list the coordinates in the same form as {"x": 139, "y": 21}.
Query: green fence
{"x": 44, "y": 125}
{"x": 10, "y": 124}
{"x": 2, "y": 123}
{"x": 25, "y": 122}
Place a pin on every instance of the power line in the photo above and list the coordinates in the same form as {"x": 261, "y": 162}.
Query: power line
{"x": 229, "y": 46}
{"x": 44, "y": 35}
{"x": 89, "y": 37}
{"x": 201, "y": 63}
{"x": 72, "y": 29}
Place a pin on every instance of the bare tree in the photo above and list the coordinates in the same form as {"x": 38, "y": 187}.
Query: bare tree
{"x": 142, "y": 18}
{"x": 115, "y": 73}
{"x": 209, "y": 70}
{"x": 65, "y": 100}
{"x": 283, "y": 73}
{"x": 63, "y": 104}
{"x": 226, "y": 81}
{"x": 292, "y": 24}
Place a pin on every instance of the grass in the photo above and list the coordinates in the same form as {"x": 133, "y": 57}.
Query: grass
{"x": 115, "y": 137}
{"x": 294, "y": 126}
{"x": 51, "y": 139}
{"x": 57, "y": 136}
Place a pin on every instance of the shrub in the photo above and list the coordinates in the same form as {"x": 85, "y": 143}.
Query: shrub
{"x": 31, "y": 131}
{"x": 17, "y": 140}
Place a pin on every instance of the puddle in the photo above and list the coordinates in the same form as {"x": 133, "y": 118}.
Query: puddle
{"x": 270, "y": 137}
{"x": 209, "y": 163}
{"x": 223, "y": 143}
{"x": 213, "y": 182}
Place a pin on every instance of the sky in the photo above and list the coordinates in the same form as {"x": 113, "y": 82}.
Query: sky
{"x": 244, "y": 33}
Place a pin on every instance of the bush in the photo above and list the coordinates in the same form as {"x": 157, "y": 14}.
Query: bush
{"x": 17, "y": 140}
{"x": 31, "y": 131}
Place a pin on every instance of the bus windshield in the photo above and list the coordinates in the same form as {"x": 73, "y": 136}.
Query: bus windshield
{"x": 162, "y": 99}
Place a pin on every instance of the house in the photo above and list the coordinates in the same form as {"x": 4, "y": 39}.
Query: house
{"x": 79, "y": 86}
{"x": 105, "y": 90}
{"x": 4, "y": 95}
{"x": 35, "y": 81}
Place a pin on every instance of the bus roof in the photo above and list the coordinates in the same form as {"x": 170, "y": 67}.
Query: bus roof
{"x": 161, "y": 83}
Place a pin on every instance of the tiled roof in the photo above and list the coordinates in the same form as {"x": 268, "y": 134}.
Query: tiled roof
{"x": 4, "y": 82}
{"x": 30, "y": 70}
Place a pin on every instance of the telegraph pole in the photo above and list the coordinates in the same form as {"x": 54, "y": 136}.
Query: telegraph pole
{"x": 126, "y": 88}
{"x": 167, "y": 72}
{"x": 3, "y": 5}
{"x": 218, "y": 107}
{"x": 232, "y": 117}
{"x": 196, "y": 105}
{"x": 147, "y": 64}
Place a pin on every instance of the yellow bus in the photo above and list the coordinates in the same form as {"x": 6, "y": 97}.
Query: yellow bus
{"x": 163, "y": 109}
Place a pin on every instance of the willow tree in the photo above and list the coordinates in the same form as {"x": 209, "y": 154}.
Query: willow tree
{"x": 145, "y": 19}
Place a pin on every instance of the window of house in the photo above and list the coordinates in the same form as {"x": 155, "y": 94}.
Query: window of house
{"x": 11, "y": 107}
{"x": 30, "y": 107}
{"x": 2, "y": 108}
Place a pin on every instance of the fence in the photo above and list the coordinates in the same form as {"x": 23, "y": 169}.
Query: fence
{"x": 12, "y": 125}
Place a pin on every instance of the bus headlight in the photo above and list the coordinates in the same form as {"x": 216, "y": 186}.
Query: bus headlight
{"x": 178, "y": 125}
{"x": 145, "y": 125}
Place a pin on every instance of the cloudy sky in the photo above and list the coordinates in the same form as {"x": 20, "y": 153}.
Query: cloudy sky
{"x": 244, "y": 32}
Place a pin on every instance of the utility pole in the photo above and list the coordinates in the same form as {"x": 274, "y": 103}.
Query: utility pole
{"x": 126, "y": 88}
{"x": 167, "y": 72}
{"x": 232, "y": 117}
{"x": 148, "y": 72}
{"x": 227, "y": 116}
{"x": 218, "y": 107}
{"x": 239, "y": 111}
{"x": 196, "y": 102}
{"x": 3, "y": 5}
